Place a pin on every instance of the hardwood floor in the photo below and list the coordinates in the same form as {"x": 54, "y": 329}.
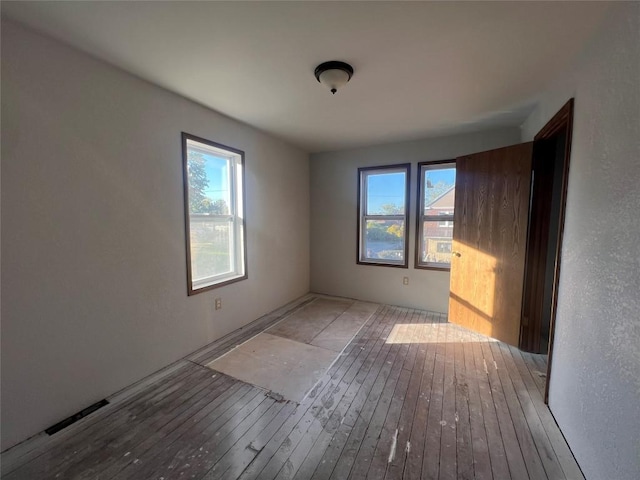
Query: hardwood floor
{"x": 411, "y": 397}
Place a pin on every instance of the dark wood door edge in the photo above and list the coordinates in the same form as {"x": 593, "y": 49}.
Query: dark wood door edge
{"x": 562, "y": 120}
{"x": 564, "y": 117}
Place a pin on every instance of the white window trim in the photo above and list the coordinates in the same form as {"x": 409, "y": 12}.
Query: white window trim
{"x": 238, "y": 250}
{"x": 363, "y": 217}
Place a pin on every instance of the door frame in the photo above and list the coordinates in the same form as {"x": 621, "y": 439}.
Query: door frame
{"x": 560, "y": 124}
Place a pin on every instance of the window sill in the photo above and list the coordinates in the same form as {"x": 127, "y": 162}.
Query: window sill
{"x": 382, "y": 264}
{"x": 204, "y": 286}
{"x": 433, "y": 267}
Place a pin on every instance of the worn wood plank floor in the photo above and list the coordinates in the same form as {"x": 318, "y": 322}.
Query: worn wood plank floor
{"x": 411, "y": 397}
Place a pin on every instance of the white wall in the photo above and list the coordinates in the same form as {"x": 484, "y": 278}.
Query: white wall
{"x": 334, "y": 187}
{"x": 93, "y": 248}
{"x": 595, "y": 379}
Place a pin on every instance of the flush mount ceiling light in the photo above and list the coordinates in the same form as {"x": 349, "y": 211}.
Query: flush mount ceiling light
{"x": 334, "y": 74}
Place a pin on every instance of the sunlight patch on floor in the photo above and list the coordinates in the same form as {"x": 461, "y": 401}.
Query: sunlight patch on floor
{"x": 428, "y": 333}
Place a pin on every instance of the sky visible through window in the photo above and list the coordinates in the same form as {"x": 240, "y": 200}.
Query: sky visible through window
{"x": 385, "y": 189}
{"x": 217, "y": 170}
{"x": 389, "y": 189}
{"x": 436, "y": 182}
{"x": 447, "y": 176}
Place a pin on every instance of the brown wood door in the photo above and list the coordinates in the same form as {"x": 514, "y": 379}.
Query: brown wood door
{"x": 489, "y": 241}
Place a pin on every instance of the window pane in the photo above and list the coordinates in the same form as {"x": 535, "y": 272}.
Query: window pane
{"x": 384, "y": 239}
{"x": 386, "y": 193}
{"x": 211, "y": 245}
{"x": 436, "y": 242}
{"x": 439, "y": 191}
{"x": 209, "y": 182}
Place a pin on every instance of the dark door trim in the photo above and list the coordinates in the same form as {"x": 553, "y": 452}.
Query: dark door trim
{"x": 564, "y": 117}
{"x": 561, "y": 125}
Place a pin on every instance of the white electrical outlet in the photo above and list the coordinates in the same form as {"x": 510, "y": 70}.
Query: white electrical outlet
{"x": 405, "y": 280}
{"x": 218, "y": 303}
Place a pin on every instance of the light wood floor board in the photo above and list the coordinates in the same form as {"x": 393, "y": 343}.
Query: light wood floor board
{"x": 410, "y": 397}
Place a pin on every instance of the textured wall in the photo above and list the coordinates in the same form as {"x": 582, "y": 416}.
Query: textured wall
{"x": 334, "y": 192}
{"x": 595, "y": 380}
{"x": 93, "y": 248}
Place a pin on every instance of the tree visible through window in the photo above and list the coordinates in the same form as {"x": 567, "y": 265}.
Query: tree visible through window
{"x": 383, "y": 214}
{"x": 214, "y": 185}
{"x": 436, "y": 190}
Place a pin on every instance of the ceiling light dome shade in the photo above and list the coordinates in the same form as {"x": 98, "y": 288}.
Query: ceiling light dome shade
{"x": 334, "y": 74}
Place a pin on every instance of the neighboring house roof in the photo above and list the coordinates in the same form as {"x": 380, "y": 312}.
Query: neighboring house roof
{"x": 444, "y": 200}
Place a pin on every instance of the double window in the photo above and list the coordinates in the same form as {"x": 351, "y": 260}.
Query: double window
{"x": 214, "y": 214}
{"x": 383, "y": 194}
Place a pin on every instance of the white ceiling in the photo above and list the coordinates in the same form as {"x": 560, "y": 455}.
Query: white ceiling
{"x": 421, "y": 68}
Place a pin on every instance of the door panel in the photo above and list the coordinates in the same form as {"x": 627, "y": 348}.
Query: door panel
{"x": 489, "y": 241}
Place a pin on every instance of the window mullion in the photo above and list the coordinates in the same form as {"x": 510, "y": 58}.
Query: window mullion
{"x": 437, "y": 218}
{"x": 385, "y": 217}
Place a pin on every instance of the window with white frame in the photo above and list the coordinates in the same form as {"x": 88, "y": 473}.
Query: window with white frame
{"x": 214, "y": 214}
{"x": 436, "y": 202}
{"x": 383, "y": 209}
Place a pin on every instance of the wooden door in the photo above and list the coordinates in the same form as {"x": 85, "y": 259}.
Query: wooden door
{"x": 489, "y": 241}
